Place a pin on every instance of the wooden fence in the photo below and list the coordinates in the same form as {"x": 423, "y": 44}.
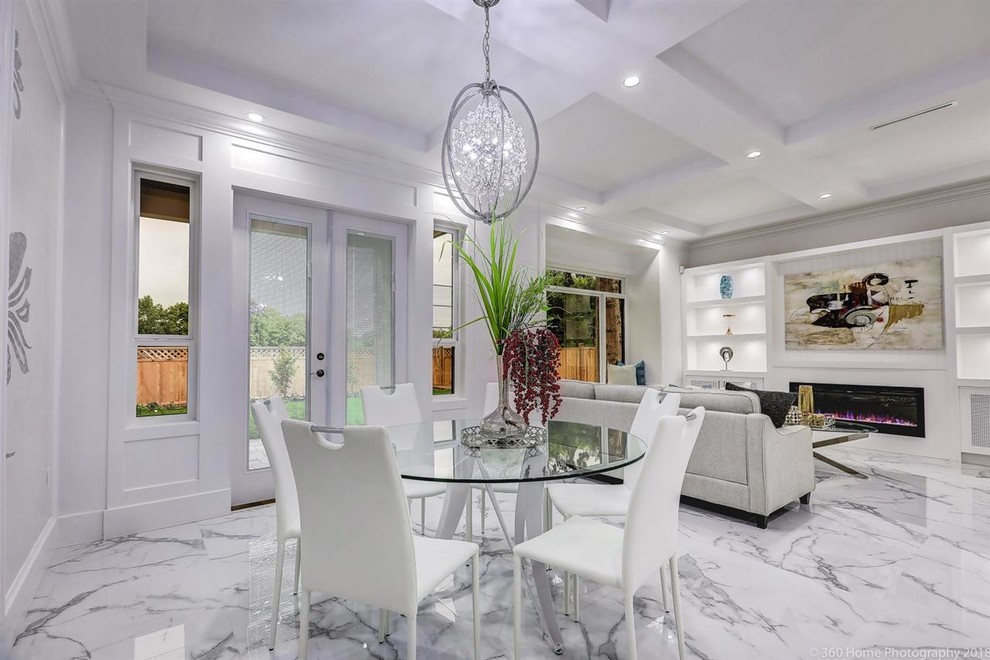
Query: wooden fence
{"x": 443, "y": 367}
{"x": 162, "y": 375}
{"x": 579, "y": 363}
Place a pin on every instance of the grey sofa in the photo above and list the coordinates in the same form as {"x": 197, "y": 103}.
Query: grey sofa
{"x": 740, "y": 460}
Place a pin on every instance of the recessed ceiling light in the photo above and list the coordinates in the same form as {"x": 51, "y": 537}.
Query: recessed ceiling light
{"x": 582, "y": 208}
{"x": 572, "y": 214}
{"x": 256, "y": 117}
{"x": 754, "y": 154}
{"x": 664, "y": 233}
{"x": 824, "y": 195}
{"x": 631, "y": 81}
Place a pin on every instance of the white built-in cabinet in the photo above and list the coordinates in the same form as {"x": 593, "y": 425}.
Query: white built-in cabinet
{"x": 970, "y": 288}
{"x": 708, "y": 316}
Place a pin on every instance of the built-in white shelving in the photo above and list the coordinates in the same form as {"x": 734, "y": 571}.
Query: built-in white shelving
{"x": 708, "y": 316}
{"x": 971, "y": 291}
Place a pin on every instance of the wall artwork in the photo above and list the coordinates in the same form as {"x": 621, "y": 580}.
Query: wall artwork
{"x": 889, "y": 306}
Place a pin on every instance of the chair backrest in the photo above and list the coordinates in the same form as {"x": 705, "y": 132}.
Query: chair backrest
{"x": 278, "y": 408}
{"x": 644, "y": 426}
{"x": 650, "y": 536}
{"x": 286, "y": 501}
{"x": 395, "y": 409}
{"x": 356, "y": 541}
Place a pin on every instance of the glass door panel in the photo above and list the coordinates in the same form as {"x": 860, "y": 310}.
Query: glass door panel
{"x": 279, "y": 313}
{"x": 370, "y": 315}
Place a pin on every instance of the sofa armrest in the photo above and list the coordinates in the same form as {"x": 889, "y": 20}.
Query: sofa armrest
{"x": 784, "y": 463}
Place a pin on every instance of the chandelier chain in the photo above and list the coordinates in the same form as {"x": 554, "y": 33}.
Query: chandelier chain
{"x": 486, "y": 48}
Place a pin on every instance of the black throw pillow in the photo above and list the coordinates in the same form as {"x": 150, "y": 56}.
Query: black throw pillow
{"x": 773, "y": 404}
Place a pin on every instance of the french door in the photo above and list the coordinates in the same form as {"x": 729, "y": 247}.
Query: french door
{"x": 320, "y": 316}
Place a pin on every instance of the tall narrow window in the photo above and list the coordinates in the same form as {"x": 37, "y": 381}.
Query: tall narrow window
{"x": 370, "y": 318}
{"x": 587, "y": 313}
{"x": 444, "y": 311}
{"x": 164, "y": 336}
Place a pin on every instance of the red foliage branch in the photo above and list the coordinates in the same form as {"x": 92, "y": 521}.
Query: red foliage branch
{"x": 531, "y": 361}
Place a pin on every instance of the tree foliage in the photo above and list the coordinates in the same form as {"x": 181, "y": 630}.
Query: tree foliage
{"x": 285, "y": 369}
{"x": 154, "y": 319}
{"x": 270, "y": 328}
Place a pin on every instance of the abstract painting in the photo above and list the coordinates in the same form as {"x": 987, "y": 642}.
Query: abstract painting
{"x": 889, "y": 306}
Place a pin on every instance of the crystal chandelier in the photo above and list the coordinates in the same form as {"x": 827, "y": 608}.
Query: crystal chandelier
{"x": 485, "y": 158}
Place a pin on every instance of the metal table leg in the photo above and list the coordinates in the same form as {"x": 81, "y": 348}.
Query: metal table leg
{"x": 839, "y": 466}
{"x": 529, "y": 509}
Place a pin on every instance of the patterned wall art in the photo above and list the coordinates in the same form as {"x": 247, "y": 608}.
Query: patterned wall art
{"x": 18, "y": 306}
{"x": 18, "y": 81}
{"x": 888, "y": 306}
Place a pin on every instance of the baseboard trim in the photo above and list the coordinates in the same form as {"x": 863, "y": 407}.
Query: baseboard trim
{"x": 76, "y": 528}
{"x": 147, "y": 516}
{"x": 976, "y": 459}
{"x": 24, "y": 587}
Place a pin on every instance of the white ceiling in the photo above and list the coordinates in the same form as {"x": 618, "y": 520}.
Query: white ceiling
{"x": 800, "y": 81}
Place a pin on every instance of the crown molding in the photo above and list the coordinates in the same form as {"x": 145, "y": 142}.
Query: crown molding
{"x": 865, "y": 212}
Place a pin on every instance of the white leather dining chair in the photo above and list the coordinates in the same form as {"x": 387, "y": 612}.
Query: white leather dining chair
{"x": 358, "y": 543}
{"x": 268, "y": 419}
{"x": 396, "y": 409}
{"x": 585, "y": 499}
{"x": 625, "y": 558}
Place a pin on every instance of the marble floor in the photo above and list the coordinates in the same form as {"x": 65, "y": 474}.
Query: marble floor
{"x": 894, "y": 566}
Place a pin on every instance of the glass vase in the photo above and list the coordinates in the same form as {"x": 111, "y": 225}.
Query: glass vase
{"x": 503, "y": 423}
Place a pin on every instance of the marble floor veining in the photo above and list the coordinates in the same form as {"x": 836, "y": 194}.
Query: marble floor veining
{"x": 894, "y": 566}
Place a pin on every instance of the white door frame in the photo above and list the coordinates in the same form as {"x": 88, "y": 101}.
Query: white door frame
{"x": 258, "y": 485}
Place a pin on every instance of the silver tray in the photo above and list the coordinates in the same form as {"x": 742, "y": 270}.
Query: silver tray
{"x": 473, "y": 437}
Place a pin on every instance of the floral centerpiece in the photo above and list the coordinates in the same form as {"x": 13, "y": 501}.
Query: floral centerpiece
{"x": 527, "y": 353}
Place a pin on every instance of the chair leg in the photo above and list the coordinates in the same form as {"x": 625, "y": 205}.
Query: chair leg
{"x": 547, "y": 511}
{"x": 664, "y": 589}
{"x": 422, "y": 515}
{"x": 295, "y": 590}
{"x": 469, "y": 520}
{"x": 475, "y": 608}
{"x": 567, "y": 593}
{"x": 382, "y": 617}
{"x": 303, "y": 623}
{"x": 675, "y": 589}
{"x": 631, "y": 626}
{"x": 411, "y": 636}
{"x": 577, "y": 596}
{"x": 516, "y": 604}
{"x": 277, "y": 595}
{"x": 482, "y": 513}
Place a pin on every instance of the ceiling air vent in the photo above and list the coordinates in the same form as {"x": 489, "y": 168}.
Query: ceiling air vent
{"x": 915, "y": 114}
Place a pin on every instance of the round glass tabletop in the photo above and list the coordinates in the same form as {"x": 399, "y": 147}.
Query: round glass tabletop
{"x": 432, "y": 451}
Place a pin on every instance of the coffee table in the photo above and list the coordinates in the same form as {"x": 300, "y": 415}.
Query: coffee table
{"x": 841, "y": 432}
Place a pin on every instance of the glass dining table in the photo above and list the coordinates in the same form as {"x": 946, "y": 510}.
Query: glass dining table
{"x": 432, "y": 451}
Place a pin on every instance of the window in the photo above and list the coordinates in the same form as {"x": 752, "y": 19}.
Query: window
{"x": 587, "y": 313}
{"x": 164, "y": 336}
{"x": 445, "y": 319}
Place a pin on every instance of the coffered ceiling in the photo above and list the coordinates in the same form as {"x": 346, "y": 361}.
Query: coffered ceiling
{"x": 801, "y": 82}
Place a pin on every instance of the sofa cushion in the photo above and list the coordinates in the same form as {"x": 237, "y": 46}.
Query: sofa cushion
{"x": 774, "y": 405}
{"x": 720, "y": 400}
{"x": 623, "y": 393}
{"x": 621, "y": 375}
{"x": 577, "y": 389}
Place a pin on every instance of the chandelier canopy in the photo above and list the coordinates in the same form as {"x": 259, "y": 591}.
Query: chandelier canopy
{"x": 488, "y": 167}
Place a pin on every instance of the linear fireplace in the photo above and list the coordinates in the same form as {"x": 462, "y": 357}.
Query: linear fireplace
{"x": 894, "y": 410}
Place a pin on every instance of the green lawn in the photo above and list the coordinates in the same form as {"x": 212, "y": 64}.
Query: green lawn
{"x": 297, "y": 410}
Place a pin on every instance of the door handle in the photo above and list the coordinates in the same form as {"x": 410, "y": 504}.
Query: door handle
{"x": 10, "y": 454}
{"x": 319, "y": 373}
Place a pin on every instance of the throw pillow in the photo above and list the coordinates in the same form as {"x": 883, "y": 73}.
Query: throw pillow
{"x": 622, "y": 375}
{"x": 640, "y": 371}
{"x": 774, "y": 405}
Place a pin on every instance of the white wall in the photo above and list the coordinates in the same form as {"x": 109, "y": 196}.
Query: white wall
{"x": 32, "y": 206}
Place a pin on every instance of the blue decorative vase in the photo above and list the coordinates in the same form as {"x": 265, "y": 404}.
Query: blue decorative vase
{"x": 725, "y": 286}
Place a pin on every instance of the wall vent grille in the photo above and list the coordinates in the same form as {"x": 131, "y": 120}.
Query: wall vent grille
{"x": 979, "y": 416}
